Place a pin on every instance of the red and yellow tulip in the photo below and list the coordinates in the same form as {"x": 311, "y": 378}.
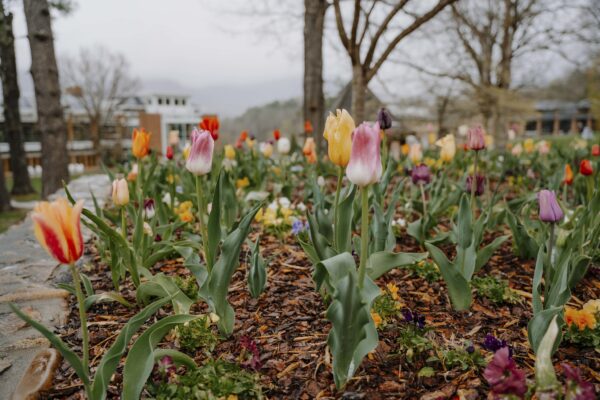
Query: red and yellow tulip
{"x": 140, "y": 146}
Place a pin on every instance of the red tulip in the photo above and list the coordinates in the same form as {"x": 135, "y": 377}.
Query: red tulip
{"x": 596, "y": 150}
{"x": 585, "y": 168}
{"x": 308, "y": 128}
{"x": 169, "y": 153}
{"x": 276, "y": 134}
{"x": 210, "y": 124}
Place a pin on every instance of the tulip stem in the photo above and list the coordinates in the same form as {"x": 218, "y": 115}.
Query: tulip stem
{"x": 83, "y": 321}
{"x": 123, "y": 223}
{"x": 172, "y": 186}
{"x": 141, "y": 182}
{"x": 474, "y": 184}
{"x": 203, "y": 231}
{"x": 548, "y": 266}
{"x": 364, "y": 236}
{"x": 336, "y": 204}
{"x": 423, "y": 200}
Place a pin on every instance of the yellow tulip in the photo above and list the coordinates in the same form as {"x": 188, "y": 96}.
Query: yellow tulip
{"x": 415, "y": 154}
{"x": 229, "y": 152}
{"x": 529, "y": 145}
{"x": 57, "y": 227}
{"x": 186, "y": 151}
{"x": 120, "y": 192}
{"x": 140, "y": 144}
{"x": 405, "y": 149}
{"x": 447, "y": 146}
{"x": 338, "y": 133}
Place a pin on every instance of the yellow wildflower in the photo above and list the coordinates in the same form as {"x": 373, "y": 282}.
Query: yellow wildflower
{"x": 376, "y": 319}
{"x": 592, "y": 306}
{"x": 242, "y": 183}
{"x": 393, "y": 289}
{"x": 186, "y": 216}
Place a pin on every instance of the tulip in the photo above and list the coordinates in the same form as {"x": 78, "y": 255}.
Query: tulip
{"x": 243, "y": 135}
{"x": 384, "y": 118}
{"x": 420, "y": 175}
{"x": 568, "y": 179}
{"x": 309, "y": 150}
{"x": 120, "y": 192}
{"x": 57, "y": 227}
{"x": 405, "y": 149}
{"x": 550, "y": 210}
{"x": 543, "y": 147}
{"x": 338, "y": 133}
{"x": 229, "y": 152}
{"x": 585, "y": 168}
{"x": 284, "y": 146}
{"x": 199, "y": 161}
{"x": 517, "y": 150}
{"x": 169, "y": 153}
{"x": 266, "y": 149}
{"x": 149, "y": 209}
{"x": 140, "y": 146}
{"x": 479, "y": 182}
{"x": 596, "y": 150}
{"x": 132, "y": 175}
{"x": 308, "y": 128}
{"x": 395, "y": 150}
{"x": 448, "y": 147}
{"x": 276, "y": 134}
{"x": 529, "y": 145}
{"x": 476, "y": 138}
{"x": 250, "y": 141}
{"x": 186, "y": 151}
{"x": 364, "y": 167}
{"x": 174, "y": 138}
{"x": 210, "y": 124}
{"x": 415, "y": 153}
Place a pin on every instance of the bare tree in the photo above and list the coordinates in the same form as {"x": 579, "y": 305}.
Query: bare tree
{"x": 314, "y": 97}
{"x": 367, "y": 58}
{"x": 51, "y": 123}
{"x": 11, "y": 94}
{"x": 99, "y": 80}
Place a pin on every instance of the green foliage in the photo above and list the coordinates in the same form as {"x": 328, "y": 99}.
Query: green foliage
{"x": 386, "y": 307}
{"x": 413, "y": 342}
{"x": 257, "y": 275}
{"x": 461, "y": 358}
{"x": 586, "y": 337}
{"x": 217, "y": 379}
{"x": 426, "y": 269}
{"x": 495, "y": 289}
{"x": 196, "y": 334}
{"x": 188, "y": 285}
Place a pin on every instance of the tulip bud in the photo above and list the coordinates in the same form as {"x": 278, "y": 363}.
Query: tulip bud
{"x": 415, "y": 153}
{"x": 596, "y": 150}
{"x": 132, "y": 175}
{"x": 308, "y": 128}
{"x": 420, "y": 175}
{"x": 585, "y": 168}
{"x": 448, "y": 147}
{"x": 266, "y": 149}
{"x": 149, "y": 209}
{"x": 364, "y": 167}
{"x": 479, "y": 182}
{"x": 568, "y": 179}
{"x": 140, "y": 143}
{"x": 276, "y": 134}
{"x": 120, "y": 192}
{"x": 169, "y": 153}
{"x": 174, "y": 138}
{"x": 199, "y": 161}
{"x": 284, "y": 146}
{"x": 210, "y": 124}
{"x": 550, "y": 210}
{"x": 147, "y": 229}
{"x": 338, "y": 133}
{"x": 384, "y": 118}
{"x": 476, "y": 138}
{"x": 229, "y": 152}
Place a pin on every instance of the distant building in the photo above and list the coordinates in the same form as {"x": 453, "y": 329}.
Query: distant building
{"x": 560, "y": 117}
{"x": 158, "y": 113}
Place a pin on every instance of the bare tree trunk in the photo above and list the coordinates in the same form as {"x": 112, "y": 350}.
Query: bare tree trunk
{"x": 314, "y": 99}
{"x": 4, "y": 195}
{"x": 95, "y": 134}
{"x": 12, "y": 118}
{"x": 359, "y": 89}
{"x": 51, "y": 122}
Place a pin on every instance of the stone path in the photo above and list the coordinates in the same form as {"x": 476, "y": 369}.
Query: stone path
{"x": 27, "y": 275}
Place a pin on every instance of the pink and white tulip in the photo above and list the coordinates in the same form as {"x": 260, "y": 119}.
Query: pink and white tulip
{"x": 199, "y": 161}
{"x": 364, "y": 167}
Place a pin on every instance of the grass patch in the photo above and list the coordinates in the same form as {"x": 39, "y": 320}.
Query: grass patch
{"x": 37, "y": 186}
{"x": 9, "y": 218}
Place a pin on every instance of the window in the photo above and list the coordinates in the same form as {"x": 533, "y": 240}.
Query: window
{"x": 160, "y": 101}
{"x": 183, "y": 102}
{"x": 168, "y": 101}
{"x": 176, "y": 102}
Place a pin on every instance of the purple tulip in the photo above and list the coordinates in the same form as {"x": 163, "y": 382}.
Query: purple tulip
{"x": 384, "y": 118}
{"x": 480, "y": 184}
{"x": 420, "y": 174}
{"x": 550, "y": 211}
{"x": 364, "y": 167}
{"x": 199, "y": 161}
{"x": 576, "y": 386}
{"x": 476, "y": 138}
{"x": 503, "y": 375}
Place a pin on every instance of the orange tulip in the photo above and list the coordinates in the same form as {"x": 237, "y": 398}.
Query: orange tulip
{"x": 210, "y": 124}
{"x": 308, "y": 128}
{"x": 568, "y": 179}
{"x": 310, "y": 150}
{"x": 140, "y": 146}
{"x": 58, "y": 229}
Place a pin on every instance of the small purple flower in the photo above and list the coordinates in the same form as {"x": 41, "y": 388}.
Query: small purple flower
{"x": 503, "y": 376}
{"x": 480, "y": 184}
{"x": 249, "y": 345}
{"x": 576, "y": 388}
{"x": 470, "y": 349}
{"x": 165, "y": 367}
{"x": 413, "y": 317}
{"x": 298, "y": 227}
{"x": 420, "y": 174}
{"x": 550, "y": 210}
{"x": 492, "y": 343}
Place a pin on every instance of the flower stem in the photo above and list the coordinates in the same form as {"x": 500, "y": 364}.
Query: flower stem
{"x": 336, "y": 204}
{"x": 423, "y": 200}
{"x": 548, "y": 266}
{"x": 83, "y": 321}
{"x": 172, "y": 186}
{"x": 474, "y": 184}
{"x": 364, "y": 236}
{"x": 140, "y": 182}
{"x": 203, "y": 231}
{"x": 123, "y": 223}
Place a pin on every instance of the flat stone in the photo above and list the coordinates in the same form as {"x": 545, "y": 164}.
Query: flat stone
{"x": 4, "y": 365}
{"x": 38, "y": 376}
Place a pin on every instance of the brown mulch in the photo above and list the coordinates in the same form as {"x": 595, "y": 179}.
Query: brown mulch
{"x": 288, "y": 323}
